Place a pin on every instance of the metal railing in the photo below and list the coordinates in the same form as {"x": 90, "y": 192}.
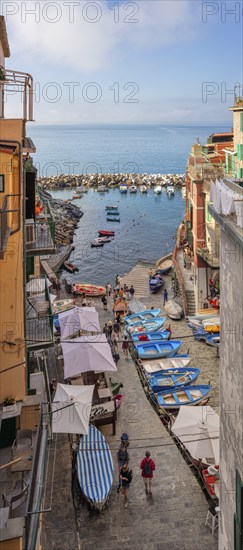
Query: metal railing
{"x": 39, "y": 235}
{"x": 211, "y": 259}
{"x": 18, "y": 82}
{"x": 9, "y": 218}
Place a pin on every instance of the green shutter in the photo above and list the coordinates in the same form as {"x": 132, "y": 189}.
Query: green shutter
{"x": 239, "y": 151}
{"x": 227, "y": 163}
{"x": 241, "y": 122}
{"x": 209, "y": 218}
{"x": 240, "y": 173}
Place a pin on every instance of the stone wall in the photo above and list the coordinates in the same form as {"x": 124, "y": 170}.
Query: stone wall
{"x": 231, "y": 384}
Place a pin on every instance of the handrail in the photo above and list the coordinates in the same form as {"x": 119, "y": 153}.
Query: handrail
{"x": 24, "y": 81}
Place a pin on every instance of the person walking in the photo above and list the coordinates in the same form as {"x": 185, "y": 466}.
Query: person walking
{"x": 165, "y": 296}
{"x": 147, "y": 466}
{"x": 115, "y": 341}
{"x": 122, "y": 456}
{"x": 132, "y": 291}
{"x": 126, "y": 478}
{"x": 125, "y": 346}
{"x": 104, "y": 301}
{"x": 108, "y": 287}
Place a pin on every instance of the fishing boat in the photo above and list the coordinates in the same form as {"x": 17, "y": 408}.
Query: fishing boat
{"x": 103, "y": 240}
{"x": 95, "y": 468}
{"x": 156, "y": 282}
{"x": 76, "y": 196}
{"x": 102, "y": 189}
{"x": 123, "y": 188}
{"x": 112, "y": 219}
{"x": 111, "y": 207}
{"x": 133, "y": 189}
{"x": 104, "y": 233}
{"x": 81, "y": 189}
{"x": 213, "y": 339}
{"x": 170, "y": 190}
{"x": 90, "y": 290}
{"x": 142, "y": 316}
{"x": 151, "y": 350}
{"x": 58, "y": 306}
{"x": 143, "y": 189}
{"x": 113, "y": 213}
{"x": 173, "y": 310}
{"x": 165, "y": 267}
{"x": 70, "y": 267}
{"x": 96, "y": 244}
{"x": 157, "y": 365}
{"x": 158, "y": 189}
{"x": 172, "y": 378}
{"x": 148, "y": 336}
{"x": 189, "y": 395}
{"x": 146, "y": 326}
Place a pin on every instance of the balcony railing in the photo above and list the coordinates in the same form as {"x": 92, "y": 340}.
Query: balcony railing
{"x": 212, "y": 260}
{"x": 9, "y": 219}
{"x": 17, "y": 82}
{"x": 39, "y": 236}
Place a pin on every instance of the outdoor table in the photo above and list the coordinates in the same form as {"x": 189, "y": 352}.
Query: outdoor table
{"x": 104, "y": 392}
{"x": 23, "y": 465}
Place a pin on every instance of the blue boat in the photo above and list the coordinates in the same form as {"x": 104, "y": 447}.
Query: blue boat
{"x": 172, "y": 378}
{"x": 152, "y": 350}
{"x": 144, "y": 336}
{"x": 95, "y": 468}
{"x": 142, "y": 316}
{"x": 156, "y": 282}
{"x": 188, "y": 395}
{"x": 113, "y": 213}
{"x": 146, "y": 326}
{"x": 112, "y": 219}
{"x": 213, "y": 339}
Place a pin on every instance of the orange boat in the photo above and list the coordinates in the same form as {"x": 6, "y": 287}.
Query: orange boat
{"x": 90, "y": 290}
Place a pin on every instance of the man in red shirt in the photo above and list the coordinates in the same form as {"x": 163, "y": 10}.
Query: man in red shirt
{"x": 147, "y": 466}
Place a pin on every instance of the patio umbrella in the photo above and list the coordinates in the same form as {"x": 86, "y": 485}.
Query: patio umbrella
{"x": 198, "y": 429}
{"x": 71, "y": 409}
{"x": 37, "y": 286}
{"x": 87, "y": 353}
{"x": 79, "y": 318}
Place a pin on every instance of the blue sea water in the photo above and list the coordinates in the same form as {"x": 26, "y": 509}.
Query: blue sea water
{"x": 148, "y": 222}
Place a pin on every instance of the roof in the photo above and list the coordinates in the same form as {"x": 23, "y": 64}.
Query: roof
{"x": 4, "y": 37}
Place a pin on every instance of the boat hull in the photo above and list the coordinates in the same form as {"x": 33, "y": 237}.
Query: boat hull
{"x": 146, "y": 315}
{"x": 104, "y": 233}
{"x": 113, "y": 219}
{"x": 95, "y": 468}
{"x": 151, "y": 350}
{"x": 172, "y": 378}
{"x": 90, "y": 290}
{"x": 155, "y": 283}
{"x": 151, "y": 336}
{"x": 190, "y": 395}
{"x": 146, "y": 326}
{"x": 175, "y": 362}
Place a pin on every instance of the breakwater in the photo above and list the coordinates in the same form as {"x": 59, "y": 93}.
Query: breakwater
{"x": 109, "y": 180}
{"x": 66, "y": 217}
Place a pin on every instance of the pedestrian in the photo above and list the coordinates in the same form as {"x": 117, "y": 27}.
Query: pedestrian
{"x": 90, "y": 303}
{"x": 84, "y": 301}
{"x": 108, "y": 289}
{"x": 122, "y": 456}
{"x": 105, "y": 330}
{"x": 170, "y": 331}
{"x": 125, "y": 346}
{"x": 147, "y": 466}
{"x": 74, "y": 291}
{"x": 115, "y": 341}
{"x": 126, "y": 478}
{"x": 118, "y": 281}
{"x": 104, "y": 301}
{"x": 132, "y": 291}
{"x": 165, "y": 296}
{"x": 53, "y": 387}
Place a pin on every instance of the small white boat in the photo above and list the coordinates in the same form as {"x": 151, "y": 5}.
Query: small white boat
{"x": 133, "y": 189}
{"x": 170, "y": 190}
{"x": 158, "y": 189}
{"x": 143, "y": 189}
{"x": 173, "y": 310}
{"x": 102, "y": 189}
{"x": 183, "y": 192}
{"x": 156, "y": 365}
{"x": 123, "y": 188}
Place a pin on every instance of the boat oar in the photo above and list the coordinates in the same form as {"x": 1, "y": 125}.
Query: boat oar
{"x": 173, "y": 383}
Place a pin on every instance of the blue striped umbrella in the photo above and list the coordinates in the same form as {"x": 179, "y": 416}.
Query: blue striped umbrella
{"x": 95, "y": 468}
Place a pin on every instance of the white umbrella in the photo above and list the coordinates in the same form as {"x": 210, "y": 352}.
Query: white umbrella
{"x": 198, "y": 429}
{"x": 87, "y": 353}
{"x": 79, "y": 318}
{"x": 71, "y": 409}
{"x": 37, "y": 285}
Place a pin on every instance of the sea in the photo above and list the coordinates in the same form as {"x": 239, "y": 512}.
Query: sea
{"x": 148, "y": 222}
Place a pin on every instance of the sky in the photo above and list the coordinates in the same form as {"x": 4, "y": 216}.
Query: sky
{"x": 148, "y": 61}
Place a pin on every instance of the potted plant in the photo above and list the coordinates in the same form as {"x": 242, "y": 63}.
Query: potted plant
{"x": 9, "y": 404}
{"x": 2, "y": 77}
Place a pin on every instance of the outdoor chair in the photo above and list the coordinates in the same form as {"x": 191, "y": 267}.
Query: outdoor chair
{"x": 16, "y": 497}
{"x": 212, "y": 519}
{"x": 24, "y": 438}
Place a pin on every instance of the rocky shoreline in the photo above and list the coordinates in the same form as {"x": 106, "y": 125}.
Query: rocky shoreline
{"x": 109, "y": 180}
{"x": 66, "y": 217}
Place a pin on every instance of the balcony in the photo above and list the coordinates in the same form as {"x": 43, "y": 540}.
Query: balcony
{"x": 212, "y": 260}
{"x": 9, "y": 220}
{"x": 17, "y": 82}
{"x": 39, "y": 323}
{"x": 40, "y": 236}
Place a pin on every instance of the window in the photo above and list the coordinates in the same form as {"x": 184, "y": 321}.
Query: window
{"x": 1, "y": 183}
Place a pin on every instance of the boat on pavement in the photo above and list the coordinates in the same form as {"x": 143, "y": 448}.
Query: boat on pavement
{"x": 58, "y": 306}
{"x": 104, "y": 233}
{"x": 90, "y": 290}
{"x": 157, "y": 365}
{"x": 156, "y": 282}
{"x": 173, "y": 310}
{"x": 95, "y": 468}
{"x": 213, "y": 339}
{"x": 151, "y": 350}
{"x": 146, "y": 326}
{"x": 148, "y": 336}
{"x": 188, "y": 395}
{"x": 165, "y": 267}
{"x": 142, "y": 316}
{"x": 172, "y": 378}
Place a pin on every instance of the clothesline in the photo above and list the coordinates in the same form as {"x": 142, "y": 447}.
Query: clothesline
{"x": 225, "y": 201}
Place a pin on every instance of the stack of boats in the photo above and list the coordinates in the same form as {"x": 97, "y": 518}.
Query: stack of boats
{"x": 106, "y": 236}
{"x": 206, "y": 326}
{"x": 112, "y": 214}
{"x": 168, "y": 377}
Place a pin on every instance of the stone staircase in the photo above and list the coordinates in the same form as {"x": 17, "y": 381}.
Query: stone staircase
{"x": 138, "y": 277}
{"x": 191, "y": 305}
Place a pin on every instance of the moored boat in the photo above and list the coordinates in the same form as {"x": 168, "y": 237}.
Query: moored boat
{"x": 76, "y": 196}
{"x": 95, "y": 468}
{"x": 143, "y": 189}
{"x": 170, "y": 190}
{"x": 142, "y": 316}
{"x": 156, "y": 282}
{"x": 96, "y": 244}
{"x": 111, "y": 207}
{"x": 189, "y": 395}
{"x": 103, "y": 240}
{"x": 123, "y": 188}
{"x": 90, "y": 290}
{"x": 146, "y": 326}
{"x": 112, "y": 219}
{"x": 104, "y": 233}
{"x": 172, "y": 378}
{"x": 133, "y": 189}
{"x": 70, "y": 267}
{"x": 112, "y": 213}
{"x": 158, "y": 189}
{"x": 157, "y": 365}
{"x": 151, "y": 350}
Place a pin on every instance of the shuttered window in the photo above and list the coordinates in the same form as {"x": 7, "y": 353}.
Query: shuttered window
{"x": 240, "y": 151}
{"x": 241, "y": 122}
